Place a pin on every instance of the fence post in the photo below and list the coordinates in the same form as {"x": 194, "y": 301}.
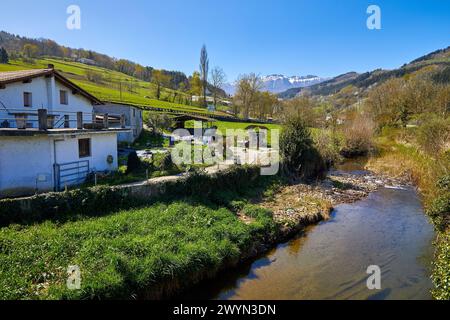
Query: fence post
{"x": 94, "y": 117}
{"x": 105, "y": 121}
{"x": 66, "y": 121}
{"x": 79, "y": 120}
{"x": 42, "y": 119}
{"x": 122, "y": 121}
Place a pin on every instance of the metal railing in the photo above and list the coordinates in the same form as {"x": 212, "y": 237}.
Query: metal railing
{"x": 44, "y": 119}
{"x": 70, "y": 173}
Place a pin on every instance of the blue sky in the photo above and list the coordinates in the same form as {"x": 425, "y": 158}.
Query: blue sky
{"x": 291, "y": 37}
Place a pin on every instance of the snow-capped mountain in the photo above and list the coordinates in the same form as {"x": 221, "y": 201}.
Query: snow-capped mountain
{"x": 277, "y": 83}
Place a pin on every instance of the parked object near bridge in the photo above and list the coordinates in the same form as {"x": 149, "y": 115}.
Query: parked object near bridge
{"x": 49, "y": 136}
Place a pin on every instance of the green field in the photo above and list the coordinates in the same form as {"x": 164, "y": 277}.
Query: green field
{"x": 123, "y": 254}
{"x": 114, "y": 86}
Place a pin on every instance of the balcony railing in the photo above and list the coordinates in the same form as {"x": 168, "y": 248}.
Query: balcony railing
{"x": 44, "y": 120}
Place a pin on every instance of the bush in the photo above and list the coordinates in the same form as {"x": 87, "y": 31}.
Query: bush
{"x": 101, "y": 200}
{"x": 298, "y": 156}
{"x": 433, "y": 135}
{"x": 329, "y": 146}
{"x": 358, "y": 136}
{"x": 166, "y": 163}
{"x": 94, "y": 76}
{"x": 441, "y": 270}
{"x": 133, "y": 163}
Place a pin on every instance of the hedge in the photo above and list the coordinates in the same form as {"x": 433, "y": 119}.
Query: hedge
{"x": 101, "y": 200}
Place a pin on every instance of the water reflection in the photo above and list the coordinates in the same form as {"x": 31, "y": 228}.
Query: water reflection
{"x": 330, "y": 260}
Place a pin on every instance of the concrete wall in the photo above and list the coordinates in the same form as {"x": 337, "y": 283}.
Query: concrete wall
{"x": 24, "y": 160}
{"x": 45, "y": 94}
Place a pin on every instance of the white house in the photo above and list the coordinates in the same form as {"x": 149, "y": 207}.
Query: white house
{"x": 133, "y": 119}
{"x": 47, "y": 137}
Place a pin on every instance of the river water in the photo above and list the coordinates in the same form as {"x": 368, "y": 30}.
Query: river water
{"x": 329, "y": 261}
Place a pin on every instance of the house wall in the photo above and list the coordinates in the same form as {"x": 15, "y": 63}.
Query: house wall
{"x": 45, "y": 94}
{"x": 133, "y": 119}
{"x": 24, "y": 159}
{"x": 102, "y": 145}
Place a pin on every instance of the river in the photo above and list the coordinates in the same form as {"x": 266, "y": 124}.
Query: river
{"x": 329, "y": 261}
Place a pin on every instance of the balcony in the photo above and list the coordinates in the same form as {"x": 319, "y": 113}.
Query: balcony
{"x": 40, "y": 120}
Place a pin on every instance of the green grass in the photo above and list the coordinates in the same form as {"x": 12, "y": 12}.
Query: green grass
{"x": 147, "y": 140}
{"x": 109, "y": 88}
{"x": 123, "y": 254}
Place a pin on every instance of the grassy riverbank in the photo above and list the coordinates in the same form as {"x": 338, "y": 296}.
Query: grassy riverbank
{"x": 128, "y": 253}
{"x": 399, "y": 155}
{"x": 148, "y": 252}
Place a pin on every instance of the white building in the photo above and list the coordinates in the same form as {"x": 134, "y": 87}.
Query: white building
{"x": 47, "y": 138}
{"x": 133, "y": 119}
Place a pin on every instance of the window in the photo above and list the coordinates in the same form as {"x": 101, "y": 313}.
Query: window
{"x": 63, "y": 97}
{"x": 84, "y": 148}
{"x": 27, "y": 99}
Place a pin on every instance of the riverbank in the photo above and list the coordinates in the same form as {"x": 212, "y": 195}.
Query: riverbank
{"x": 157, "y": 250}
{"x": 329, "y": 260}
{"x": 399, "y": 157}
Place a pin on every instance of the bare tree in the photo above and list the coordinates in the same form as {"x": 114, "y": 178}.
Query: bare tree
{"x": 247, "y": 92}
{"x": 204, "y": 69}
{"x": 218, "y": 79}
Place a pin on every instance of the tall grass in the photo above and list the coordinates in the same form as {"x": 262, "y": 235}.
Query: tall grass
{"x": 148, "y": 251}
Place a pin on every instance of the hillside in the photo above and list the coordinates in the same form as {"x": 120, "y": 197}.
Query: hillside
{"x": 437, "y": 62}
{"x": 111, "y": 86}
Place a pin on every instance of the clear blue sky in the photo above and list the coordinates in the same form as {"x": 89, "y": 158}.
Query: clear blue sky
{"x": 292, "y": 37}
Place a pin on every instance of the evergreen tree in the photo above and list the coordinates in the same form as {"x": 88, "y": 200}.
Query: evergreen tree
{"x": 4, "y": 58}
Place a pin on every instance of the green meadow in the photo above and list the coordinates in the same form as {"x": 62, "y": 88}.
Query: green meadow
{"x": 114, "y": 86}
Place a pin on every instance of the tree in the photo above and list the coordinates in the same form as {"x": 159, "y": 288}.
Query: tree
{"x": 265, "y": 104}
{"x": 158, "y": 122}
{"x": 303, "y": 106}
{"x": 195, "y": 84}
{"x": 160, "y": 79}
{"x": 133, "y": 163}
{"x": 30, "y": 50}
{"x": 299, "y": 157}
{"x": 204, "y": 69}
{"x": 218, "y": 78}
{"x": 246, "y": 95}
{"x": 4, "y": 58}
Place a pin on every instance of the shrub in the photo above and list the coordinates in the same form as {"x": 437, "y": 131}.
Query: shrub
{"x": 101, "y": 200}
{"x": 358, "y": 136}
{"x": 133, "y": 162}
{"x": 433, "y": 135}
{"x": 441, "y": 270}
{"x": 329, "y": 146}
{"x": 439, "y": 209}
{"x": 299, "y": 157}
{"x": 166, "y": 163}
{"x": 94, "y": 76}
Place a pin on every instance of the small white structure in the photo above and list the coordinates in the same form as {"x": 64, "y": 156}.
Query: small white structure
{"x": 133, "y": 119}
{"x": 47, "y": 137}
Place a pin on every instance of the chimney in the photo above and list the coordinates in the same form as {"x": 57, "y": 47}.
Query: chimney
{"x": 51, "y": 66}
